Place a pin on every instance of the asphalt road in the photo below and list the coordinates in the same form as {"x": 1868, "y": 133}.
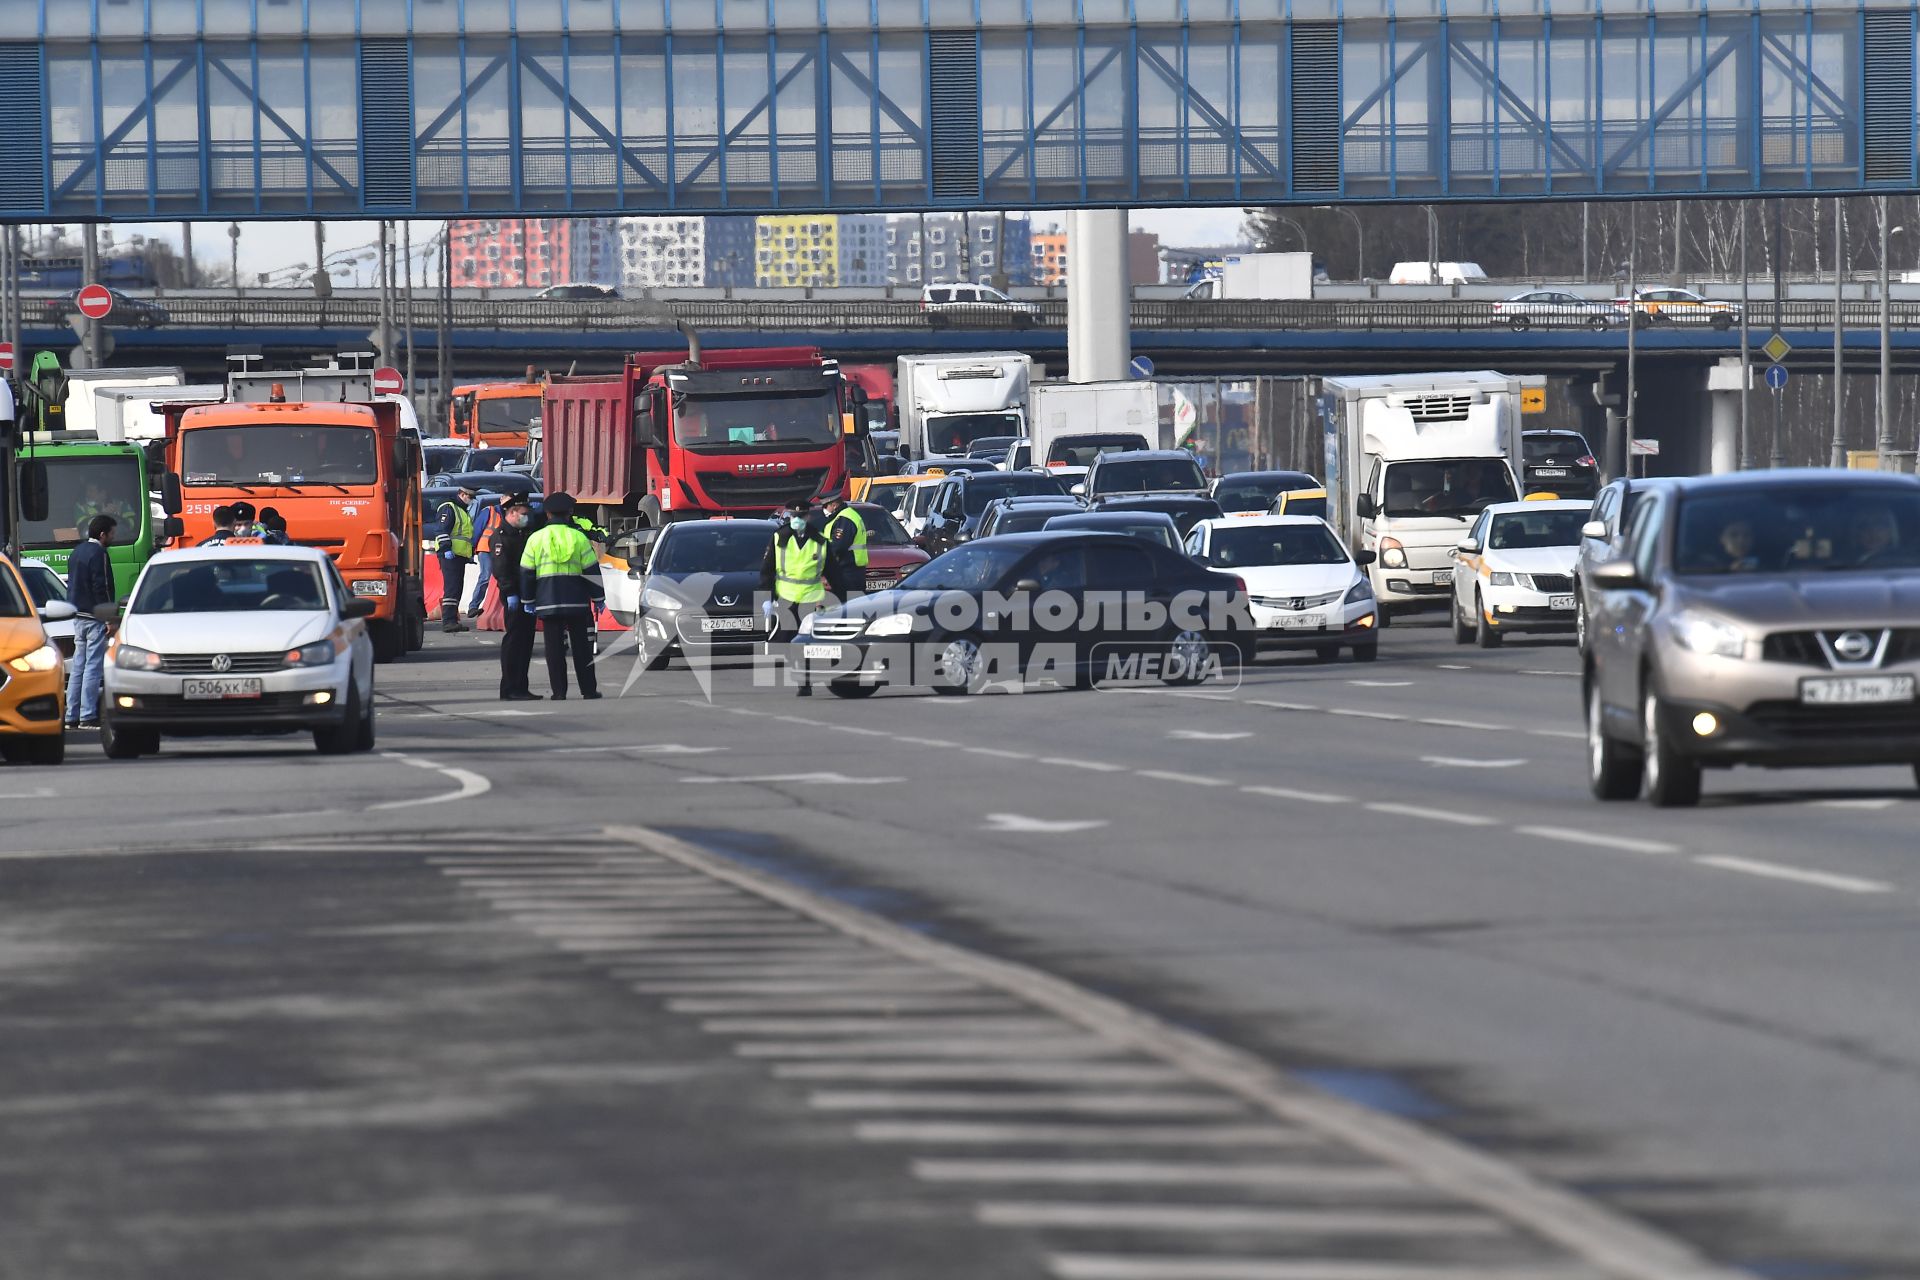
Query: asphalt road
{"x": 416, "y": 1014}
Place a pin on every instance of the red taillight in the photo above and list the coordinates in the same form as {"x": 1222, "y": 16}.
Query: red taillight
{"x": 1240, "y": 585}
{"x": 1586, "y": 461}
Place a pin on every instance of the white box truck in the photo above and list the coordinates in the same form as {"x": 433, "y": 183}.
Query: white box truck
{"x": 948, "y": 402}
{"x": 1411, "y": 461}
{"x": 88, "y": 390}
{"x": 1278, "y": 277}
{"x": 1059, "y": 410}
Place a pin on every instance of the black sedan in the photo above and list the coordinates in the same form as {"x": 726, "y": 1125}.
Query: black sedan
{"x": 1256, "y": 490}
{"x": 128, "y": 312}
{"x": 1078, "y": 609}
{"x": 954, "y": 514}
{"x": 1023, "y": 514}
{"x": 1186, "y": 510}
{"x": 699, "y": 588}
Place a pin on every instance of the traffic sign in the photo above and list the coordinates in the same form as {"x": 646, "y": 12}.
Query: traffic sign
{"x": 1141, "y": 367}
{"x": 95, "y": 302}
{"x": 1533, "y": 399}
{"x": 1776, "y": 377}
{"x": 1645, "y": 448}
{"x": 6, "y": 357}
{"x": 387, "y": 381}
{"x": 1776, "y": 348}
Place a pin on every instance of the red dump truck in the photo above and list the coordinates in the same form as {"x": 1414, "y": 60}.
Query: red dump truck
{"x": 680, "y": 435}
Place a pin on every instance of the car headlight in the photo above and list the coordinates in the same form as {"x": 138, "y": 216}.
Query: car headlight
{"x": 894, "y": 624}
{"x": 1360, "y": 593}
{"x": 1500, "y": 578}
{"x": 1701, "y": 634}
{"x": 320, "y": 653}
{"x": 45, "y": 658}
{"x": 1392, "y": 554}
{"x": 655, "y": 598}
{"x": 130, "y": 657}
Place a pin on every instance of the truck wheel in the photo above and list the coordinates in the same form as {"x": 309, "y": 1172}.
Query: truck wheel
{"x": 389, "y": 644}
{"x": 413, "y": 607}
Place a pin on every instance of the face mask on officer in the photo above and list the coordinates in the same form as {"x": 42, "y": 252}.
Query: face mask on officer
{"x": 518, "y": 519}
{"x": 797, "y": 523}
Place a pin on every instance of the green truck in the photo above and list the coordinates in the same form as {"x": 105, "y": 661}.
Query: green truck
{"x": 86, "y": 477}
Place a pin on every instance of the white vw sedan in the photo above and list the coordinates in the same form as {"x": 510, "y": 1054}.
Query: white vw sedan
{"x": 239, "y": 639}
{"x": 1306, "y": 592}
{"x": 1514, "y": 570}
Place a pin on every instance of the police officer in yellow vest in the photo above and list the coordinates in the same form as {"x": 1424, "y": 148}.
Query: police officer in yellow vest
{"x": 560, "y": 584}
{"x": 455, "y": 548}
{"x": 846, "y": 534}
{"x": 795, "y": 573}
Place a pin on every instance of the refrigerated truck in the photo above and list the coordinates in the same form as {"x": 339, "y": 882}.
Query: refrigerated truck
{"x": 1060, "y": 410}
{"x": 1411, "y": 460}
{"x": 948, "y": 402}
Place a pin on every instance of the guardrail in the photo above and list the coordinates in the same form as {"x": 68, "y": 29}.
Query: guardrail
{"x": 360, "y": 315}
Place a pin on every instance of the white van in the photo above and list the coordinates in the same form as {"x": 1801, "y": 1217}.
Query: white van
{"x": 1437, "y": 273}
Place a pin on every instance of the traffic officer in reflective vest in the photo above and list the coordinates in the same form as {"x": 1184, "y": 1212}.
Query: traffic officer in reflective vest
{"x": 455, "y": 547}
{"x": 508, "y": 540}
{"x": 560, "y": 584}
{"x": 795, "y": 572}
{"x": 846, "y": 534}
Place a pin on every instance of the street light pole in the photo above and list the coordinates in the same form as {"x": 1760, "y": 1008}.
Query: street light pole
{"x": 1883, "y": 445}
{"x": 1298, "y": 230}
{"x": 1433, "y": 245}
{"x": 1746, "y": 344}
{"x": 1359, "y": 238}
{"x": 1837, "y": 451}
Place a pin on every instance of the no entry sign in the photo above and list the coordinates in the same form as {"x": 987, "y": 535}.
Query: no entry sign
{"x": 387, "y": 380}
{"x": 6, "y": 357}
{"x": 95, "y": 302}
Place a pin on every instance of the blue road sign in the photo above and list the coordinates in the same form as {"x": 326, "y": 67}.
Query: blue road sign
{"x": 1141, "y": 367}
{"x": 1776, "y": 377}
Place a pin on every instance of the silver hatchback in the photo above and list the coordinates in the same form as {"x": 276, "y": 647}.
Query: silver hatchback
{"x": 1769, "y": 619}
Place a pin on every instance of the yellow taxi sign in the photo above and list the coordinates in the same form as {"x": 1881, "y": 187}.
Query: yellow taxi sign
{"x": 1533, "y": 399}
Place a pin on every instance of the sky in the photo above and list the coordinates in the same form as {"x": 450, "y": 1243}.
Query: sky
{"x": 279, "y": 246}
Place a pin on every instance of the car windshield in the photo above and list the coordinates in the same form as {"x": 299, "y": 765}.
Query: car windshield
{"x": 230, "y": 586}
{"x": 976, "y": 494}
{"x": 716, "y": 423}
{"x": 889, "y": 497}
{"x": 1149, "y": 475}
{"x": 279, "y": 455}
{"x": 1798, "y": 528}
{"x": 78, "y": 489}
{"x": 508, "y": 413}
{"x": 955, "y": 434}
{"x": 1522, "y": 530}
{"x": 1252, "y": 545}
{"x": 1553, "y": 448}
{"x": 882, "y": 529}
{"x": 13, "y": 603}
{"x": 1458, "y": 487}
{"x": 43, "y": 584}
{"x": 972, "y": 566}
{"x": 713, "y": 546}
{"x": 439, "y": 458}
{"x": 1025, "y": 519}
{"x": 493, "y": 459}
{"x": 1082, "y": 452}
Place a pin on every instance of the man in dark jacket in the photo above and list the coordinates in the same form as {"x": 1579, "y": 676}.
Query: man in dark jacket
{"x": 89, "y": 588}
{"x": 507, "y": 539}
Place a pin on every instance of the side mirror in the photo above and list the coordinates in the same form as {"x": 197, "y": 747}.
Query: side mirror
{"x": 1027, "y": 584}
{"x": 1470, "y": 545}
{"x": 1594, "y": 529}
{"x": 34, "y": 504}
{"x": 1365, "y": 558}
{"x": 170, "y": 501}
{"x": 1079, "y": 490}
{"x": 1365, "y": 507}
{"x": 1616, "y": 575}
{"x": 173, "y": 527}
{"x": 357, "y": 607}
{"x": 58, "y": 611}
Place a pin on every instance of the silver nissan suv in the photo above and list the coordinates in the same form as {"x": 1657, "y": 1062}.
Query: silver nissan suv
{"x": 1770, "y": 618}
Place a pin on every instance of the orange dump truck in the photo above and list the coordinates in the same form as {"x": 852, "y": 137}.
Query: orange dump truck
{"x": 319, "y": 448}
{"x": 496, "y": 415}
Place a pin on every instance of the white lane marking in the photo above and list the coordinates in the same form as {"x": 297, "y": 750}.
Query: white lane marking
{"x": 37, "y": 793}
{"x": 1282, "y": 706}
{"x": 1883, "y": 802}
{"x": 1469, "y": 762}
{"x": 1381, "y": 684}
{"x": 1478, "y": 726}
{"x": 1191, "y": 779}
{"x": 959, "y": 1048}
{"x": 502, "y": 713}
{"x": 812, "y": 779}
{"x": 1436, "y": 815}
{"x": 1194, "y": 1217}
{"x": 1078, "y": 1103}
{"x": 923, "y": 742}
{"x": 1164, "y": 1173}
{"x": 1204, "y": 697}
{"x": 1564, "y": 675}
{"x": 1202, "y": 735}
{"x": 997, "y": 752}
{"x": 1776, "y": 871}
{"x": 1453, "y": 666}
{"x": 1040, "y": 826}
{"x": 1016, "y": 1024}
{"x": 811, "y": 724}
{"x": 863, "y": 732}
{"x": 1097, "y": 766}
{"x": 470, "y": 783}
{"x": 823, "y": 986}
{"x": 1102, "y": 1266}
{"x": 1310, "y": 797}
{"x": 1363, "y": 715}
{"x": 1598, "y": 840}
{"x": 1069, "y": 1072}
{"x": 847, "y": 1004}
{"x": 1576, "y": 734}
{"x": 643, "y": 748}
{"x": 988, "y": 1133}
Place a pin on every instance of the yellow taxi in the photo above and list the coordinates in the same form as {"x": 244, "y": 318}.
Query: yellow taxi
{"x": 32, "y": 676}
{"x": 1299, "y": 502}
{"x": 1680, "y": 306}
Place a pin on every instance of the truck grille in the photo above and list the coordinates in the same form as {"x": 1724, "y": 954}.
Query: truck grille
{"x": 763, "y": 491}
{"x": 200, "y": 664}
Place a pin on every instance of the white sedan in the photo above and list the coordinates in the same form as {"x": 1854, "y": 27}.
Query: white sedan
{"x": 1514, "y": 571}
{"x": 239, "y": 640}
{"x": 1306, "y": 591}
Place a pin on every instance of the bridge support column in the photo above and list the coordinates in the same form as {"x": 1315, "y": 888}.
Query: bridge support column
{"x": 1723, "y": 387}
{"x": 1099, "y": 296}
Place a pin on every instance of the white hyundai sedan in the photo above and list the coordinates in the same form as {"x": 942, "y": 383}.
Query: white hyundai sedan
{"x": 1514, "y": 570}
{"x": 239, "y": 639}
{"x": 1306, "y": 591}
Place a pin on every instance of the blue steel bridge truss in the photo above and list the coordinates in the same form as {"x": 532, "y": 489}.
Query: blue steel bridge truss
{"x": 144, "y": 109}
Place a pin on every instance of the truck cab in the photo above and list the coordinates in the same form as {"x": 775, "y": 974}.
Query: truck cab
{"x": 498, "y": 414}
{"x": 86, "y": 477}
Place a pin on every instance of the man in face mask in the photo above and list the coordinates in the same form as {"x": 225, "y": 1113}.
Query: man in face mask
{"x": 508, "y": 538}
{"x": 795, "y": 574}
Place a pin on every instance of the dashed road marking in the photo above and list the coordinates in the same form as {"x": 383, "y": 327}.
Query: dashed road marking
{"x": 1381, "y": 684}
{"x": 1190, "y": 779}
{"x": 1356, "y": 714}
{"x": 1078, "y": 1103}
{"x": 1202, "y": 735}
{"x": 1309, "y": 797}
{"x": 999, "y": 753}
{"x": 1796, "y": 875}
{"x": 1234, "y": 1218}
{"x": 822, "y": 779}
{"x": 1164, "y": 1173}
{"x": 1470, "y": 762}
{"x": 1069, "y": 1071}
{"x": 1096, "y": 1266}
{"x": 1015, "y": 822}
{"x": 1599, "y": 840}
{"x": 990, "y": 1133}
{"x": 1426, "y": 814}
{"x": 470, "y": 784}
{"x": 1095, "y": 766}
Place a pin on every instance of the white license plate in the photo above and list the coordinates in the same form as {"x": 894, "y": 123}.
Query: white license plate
{"x": 1305, "y": 622}
{"x": 205, "y": 690}
{"x": 879, "y": 584}
{"x": 1550, "y": 471}
{"x": 823, "y": 652}
{"x": 1560, "y": 602}
{"x": 711, "y": 625}
{"x": 1442, "y": 577}
{"x": 1856, "y": 690}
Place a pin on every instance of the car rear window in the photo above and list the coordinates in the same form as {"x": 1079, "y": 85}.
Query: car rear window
{"x": 230, "y": 585}
{"x": 976, "y": 494}
{"x": 1150, "y": 475}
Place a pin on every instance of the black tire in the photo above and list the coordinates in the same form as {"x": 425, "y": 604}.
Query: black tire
{"x": 389, "y": 640}
{"x": 1484, "y": 634}
{"x": 343, "y": 738}
{"x": 1327, "y": 653}
{"x": 659, "y": 661}
{"x": 1462, "y": 633}
{"x": 1191, "y": 650}
{"x": 1519, "y": 324}
{"x": 127, "y": 744}
{"x": 961, "y": 681}
{"x": 414, "y": 609}
{"x": 13, "y": 750}
{"x": 1723, "y": 322}
{"x": 852, "y": 689}
{"x": 1599, "y": 323}
{"x": 1613, "y": 768}
{"x": 1384, "y": 614}
{"x": 1670, "y": 780}
{"x": 51, "y": 749}
{"x": 1366, "y": 652}
{"x": 363, "y": 737}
